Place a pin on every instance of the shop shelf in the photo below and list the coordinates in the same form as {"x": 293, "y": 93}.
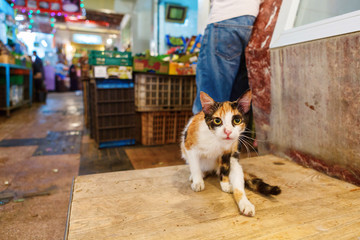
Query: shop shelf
{"x": 154, "y": 92}
{"x": 163, "y": 127}
{"x": 19, "y": 91}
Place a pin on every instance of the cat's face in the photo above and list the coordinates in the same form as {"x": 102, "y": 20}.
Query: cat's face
{"x": 226, "y": 119}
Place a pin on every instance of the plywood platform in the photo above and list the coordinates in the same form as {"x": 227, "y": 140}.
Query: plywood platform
{"x": 158, "y": 203}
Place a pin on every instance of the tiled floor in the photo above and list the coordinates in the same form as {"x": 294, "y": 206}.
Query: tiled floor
{"x": 42, "y": 148}
{"x": 39, "y": 156}
{"x": 94, "y": 160}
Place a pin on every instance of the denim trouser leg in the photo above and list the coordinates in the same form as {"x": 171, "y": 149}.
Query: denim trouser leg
{"x": 220, "y": 56}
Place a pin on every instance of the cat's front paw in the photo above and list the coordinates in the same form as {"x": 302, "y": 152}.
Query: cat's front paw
{"x": 246, "y": 207}
{"x": 226, "y": 187}
{"x": 198, "y": 186}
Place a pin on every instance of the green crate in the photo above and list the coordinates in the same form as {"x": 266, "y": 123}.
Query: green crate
{"x": 110, "y": 58}
{"x": 111, "y": 54}
{"x": 14, "y": 80}
{"x": 19, "y": 80}
{"x": 109, "y": 61}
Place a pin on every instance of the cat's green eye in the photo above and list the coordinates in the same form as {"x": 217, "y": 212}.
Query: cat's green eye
{"x": 217, "y": 121}
{"x": 237, "y": 121}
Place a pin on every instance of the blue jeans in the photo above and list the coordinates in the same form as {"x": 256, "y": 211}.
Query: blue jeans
{"x": 221, "y": 70}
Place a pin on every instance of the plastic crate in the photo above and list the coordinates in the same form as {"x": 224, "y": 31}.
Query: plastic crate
{"x": 112, "y": 110}
{"x": 110, "y": 58}
{"x": 163, "y": 127}
{"x": 155, "y": 92}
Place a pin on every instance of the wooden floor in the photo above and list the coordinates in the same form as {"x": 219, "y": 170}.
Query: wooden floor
{"x": 158, "y": 203}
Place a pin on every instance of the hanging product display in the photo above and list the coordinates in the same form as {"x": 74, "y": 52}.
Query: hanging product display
{"x": 53, "y": 7}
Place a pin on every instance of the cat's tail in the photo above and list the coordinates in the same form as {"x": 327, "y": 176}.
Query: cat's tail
{"x": 258, "y": 185}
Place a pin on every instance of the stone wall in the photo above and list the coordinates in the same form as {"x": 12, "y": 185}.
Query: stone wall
{"x": 306, "y": 98}
{"x": 315, "y": 110}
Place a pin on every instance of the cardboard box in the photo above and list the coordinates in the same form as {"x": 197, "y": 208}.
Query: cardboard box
{"x": 7, "y": 59}
{"x": 120, "y": 72}
{"x": 182, "y": 69}
{"x": 150, "y": 64}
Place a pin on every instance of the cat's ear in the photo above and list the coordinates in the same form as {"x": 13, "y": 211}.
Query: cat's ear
{"x": 206, "y": 102}
{"x": 244, "y": 102}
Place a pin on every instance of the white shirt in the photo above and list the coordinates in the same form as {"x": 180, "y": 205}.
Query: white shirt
{"x": 226, "y": 9}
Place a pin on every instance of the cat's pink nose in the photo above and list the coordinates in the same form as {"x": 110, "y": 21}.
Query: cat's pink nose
{"x": 227, "y": 132}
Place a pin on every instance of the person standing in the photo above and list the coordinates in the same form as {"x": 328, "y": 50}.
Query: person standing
{"x": 60, "y": 74}
{"x": 38, "y": 76}
{"x": 221, "y": 69}
{"x": 73, "y": 78}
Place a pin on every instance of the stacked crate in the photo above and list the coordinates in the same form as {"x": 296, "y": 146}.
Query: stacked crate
{"x": 111, "y": 100}
{"x": 164, "y": 103}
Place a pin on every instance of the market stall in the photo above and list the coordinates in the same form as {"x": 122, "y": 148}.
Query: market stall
{"x": 15, "y": 67}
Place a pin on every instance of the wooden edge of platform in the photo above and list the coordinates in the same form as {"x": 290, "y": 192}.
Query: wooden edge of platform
{"x": 66, "y": 233}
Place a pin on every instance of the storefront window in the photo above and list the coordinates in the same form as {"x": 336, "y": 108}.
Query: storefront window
{"x": 310, "y": 11}
{"x": 307, "y": 20}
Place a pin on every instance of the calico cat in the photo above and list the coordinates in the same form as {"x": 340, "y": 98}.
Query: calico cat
{"x": 210, "y": 143}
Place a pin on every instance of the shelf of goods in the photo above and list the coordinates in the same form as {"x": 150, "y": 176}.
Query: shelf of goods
{"x": 15, "y": 87}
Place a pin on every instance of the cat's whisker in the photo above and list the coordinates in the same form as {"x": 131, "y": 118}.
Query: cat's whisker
{"x": 259, "y": 140}
{"x": 252, "y": 132}
{"x": 247, "y": 145}
{"x": 254, "y": 139}
{"x": 243, "y": 135}
{"x": 244, "y": 142}
{"x": 247, "y": 149}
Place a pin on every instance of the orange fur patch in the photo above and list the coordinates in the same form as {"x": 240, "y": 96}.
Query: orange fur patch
{"x": 192, "y": 131}
{"x": 218, "y": 161}
{"x": 249, "y": 176}
{"x": 226, "y": 107}
{"x": 237, "y": 195}
{"x": 225, "y": 179}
